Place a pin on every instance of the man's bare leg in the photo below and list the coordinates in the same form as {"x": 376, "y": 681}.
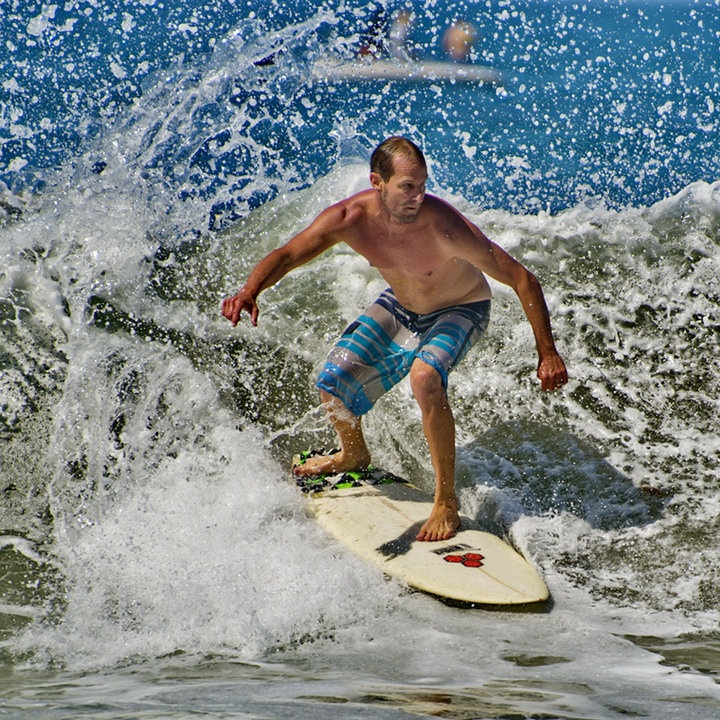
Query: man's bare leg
{"x": 439, "y": 428}
{"x": 353, "y": 454}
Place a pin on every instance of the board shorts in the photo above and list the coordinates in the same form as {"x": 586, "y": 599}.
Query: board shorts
{"x": 376, "y": 351}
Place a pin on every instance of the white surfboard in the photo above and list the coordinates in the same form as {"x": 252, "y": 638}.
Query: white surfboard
{"x": 379, "y": 522}
{"x": 338, "y": 70}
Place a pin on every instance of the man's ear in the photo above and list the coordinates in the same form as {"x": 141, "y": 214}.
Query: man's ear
{"x": 376, "y": 181}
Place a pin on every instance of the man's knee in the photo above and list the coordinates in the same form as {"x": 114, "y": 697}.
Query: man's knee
{"x": 426, "y": 383}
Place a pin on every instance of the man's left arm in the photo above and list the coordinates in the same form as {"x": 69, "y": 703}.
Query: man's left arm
{"x": 498, "y": 264}
{"x": 551, "y": 368}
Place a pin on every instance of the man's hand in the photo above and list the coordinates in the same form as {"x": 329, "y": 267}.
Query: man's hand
{"x": 552, "y": 372}
{"x": 233, "y": 307}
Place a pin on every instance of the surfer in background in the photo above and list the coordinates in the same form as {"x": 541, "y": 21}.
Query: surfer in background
{"x": 437, "y": 305}
{"x": 459, "y": 40}
{"x": 399, "y": 36}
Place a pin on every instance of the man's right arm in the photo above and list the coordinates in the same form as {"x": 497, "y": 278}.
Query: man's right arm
{"x": 267, "y": 272}
{"x": 324, "y": 232}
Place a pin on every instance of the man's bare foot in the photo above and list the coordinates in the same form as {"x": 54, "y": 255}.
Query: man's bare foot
{"x": 331, "y": 464}
{"x": 443, "y": 523}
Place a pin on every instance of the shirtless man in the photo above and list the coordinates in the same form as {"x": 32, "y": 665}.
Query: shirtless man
{"x": 435, "y": 261}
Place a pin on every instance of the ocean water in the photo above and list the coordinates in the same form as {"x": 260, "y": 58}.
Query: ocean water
{"x": 154, "y": 560}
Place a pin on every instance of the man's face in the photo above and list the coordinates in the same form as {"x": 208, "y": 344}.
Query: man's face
{"x": 403, "y": 193}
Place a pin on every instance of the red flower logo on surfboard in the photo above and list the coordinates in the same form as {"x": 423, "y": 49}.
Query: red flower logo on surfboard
{"x": 469, "y": 559}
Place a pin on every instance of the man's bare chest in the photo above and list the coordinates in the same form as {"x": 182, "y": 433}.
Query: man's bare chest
{"x": 407, "y": 253}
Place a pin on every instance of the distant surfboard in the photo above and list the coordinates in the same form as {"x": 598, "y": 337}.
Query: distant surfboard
{"x": 338, "y": 70}
{"x": 377, "y": 515}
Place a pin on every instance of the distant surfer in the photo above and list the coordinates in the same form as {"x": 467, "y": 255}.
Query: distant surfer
{"x": 437, "y": 305}
{"x": 459, "y": 40}
{"x": 399, "y": 36}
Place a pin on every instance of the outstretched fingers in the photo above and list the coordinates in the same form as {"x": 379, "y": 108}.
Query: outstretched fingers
{"x": 233, "y": 307}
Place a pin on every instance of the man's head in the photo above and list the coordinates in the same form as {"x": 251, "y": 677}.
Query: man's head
{"x": 383, "y": 157}
{"x": 399, "y": 172}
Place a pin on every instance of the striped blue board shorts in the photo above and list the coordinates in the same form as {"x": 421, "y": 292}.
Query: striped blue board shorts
{"x": 376, "y": 351}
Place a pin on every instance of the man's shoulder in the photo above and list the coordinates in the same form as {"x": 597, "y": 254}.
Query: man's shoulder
{"x": 441, "y": 213}
{"x": 353, "y": 209}
{"x": 360, "y": 200}
{"x": 437, "y": 204}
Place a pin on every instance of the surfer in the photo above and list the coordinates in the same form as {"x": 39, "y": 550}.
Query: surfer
{"x": 459, "y": 40}
{"x": 437, "y": 305}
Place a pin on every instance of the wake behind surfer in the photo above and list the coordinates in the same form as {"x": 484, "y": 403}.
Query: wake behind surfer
{"x": 436, "y": 306}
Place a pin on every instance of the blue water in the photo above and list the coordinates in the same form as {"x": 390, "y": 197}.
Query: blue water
{"x": 614, "y": 100}
{"x": 154, "y": 562}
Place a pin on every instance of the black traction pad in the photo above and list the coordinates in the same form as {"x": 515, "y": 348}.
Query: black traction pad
{"x": 338, "y": 481}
